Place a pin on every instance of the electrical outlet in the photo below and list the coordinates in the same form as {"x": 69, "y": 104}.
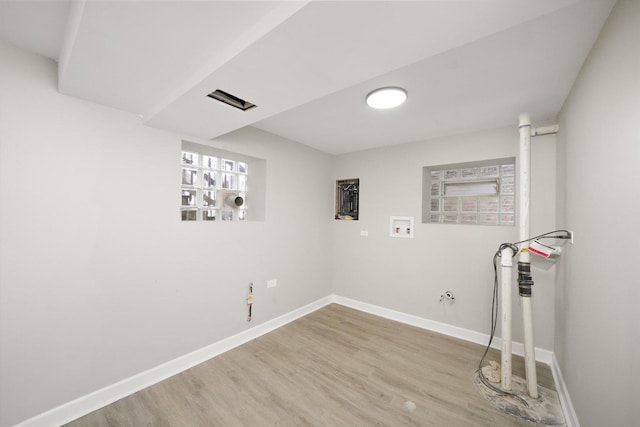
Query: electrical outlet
{"x": 364, "y": 233}
{"x": 272, "y": 283}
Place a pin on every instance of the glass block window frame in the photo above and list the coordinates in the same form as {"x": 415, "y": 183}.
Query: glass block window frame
{"x": 473, "y": 193}
{"x": 205, "y": 179}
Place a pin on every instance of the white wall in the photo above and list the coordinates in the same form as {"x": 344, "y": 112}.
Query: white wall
{"x": 99, "y": 280}
{"x": 597, "y": 342}
{"x": 409, "y": 275}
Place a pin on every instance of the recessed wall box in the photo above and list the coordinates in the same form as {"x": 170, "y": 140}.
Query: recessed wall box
{"x": 347, "y": 199}
{"x": 401, "y": 226}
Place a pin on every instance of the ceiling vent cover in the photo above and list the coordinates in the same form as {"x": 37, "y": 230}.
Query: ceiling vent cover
{"x": 229, "y": 99}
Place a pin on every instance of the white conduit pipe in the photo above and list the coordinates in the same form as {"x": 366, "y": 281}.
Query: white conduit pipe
{"x": 524, "y": 256}
{"x": 506, "y": 264}
{"x": 545, "y": 130}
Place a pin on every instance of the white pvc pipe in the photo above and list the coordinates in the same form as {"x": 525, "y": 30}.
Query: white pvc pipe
{"x": 529, "y": 349}
{"x": 545, "y": 130}
{"x": 524, "y": 163}
{"x": 524, "y": 166}
{"x": 506, "y": 264}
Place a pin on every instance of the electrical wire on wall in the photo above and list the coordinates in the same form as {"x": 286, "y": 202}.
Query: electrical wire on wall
{"x": 495, "y": 302}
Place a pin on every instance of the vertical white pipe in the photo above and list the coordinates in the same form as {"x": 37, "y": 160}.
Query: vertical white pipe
{"x": 529, "y": 349}
{"x": 506, "y": 264}
{"x": 524, "y": 164}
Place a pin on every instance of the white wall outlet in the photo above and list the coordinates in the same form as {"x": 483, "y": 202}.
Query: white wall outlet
{"x": 272, "y": 283}
{"x": 364, "y": 233}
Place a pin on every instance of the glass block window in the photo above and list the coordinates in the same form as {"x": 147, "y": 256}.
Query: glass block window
{"x": 205, "y": 181}
{"x": 476, "y": 193}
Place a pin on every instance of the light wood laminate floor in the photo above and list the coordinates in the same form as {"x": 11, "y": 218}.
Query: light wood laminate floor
{"x": 334, "y": 367}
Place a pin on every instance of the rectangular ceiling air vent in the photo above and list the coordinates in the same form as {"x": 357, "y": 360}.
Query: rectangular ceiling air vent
{"x": 229, "y": 99}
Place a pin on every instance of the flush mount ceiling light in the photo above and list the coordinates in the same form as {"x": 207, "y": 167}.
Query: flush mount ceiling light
{"x": 386, "y": 97}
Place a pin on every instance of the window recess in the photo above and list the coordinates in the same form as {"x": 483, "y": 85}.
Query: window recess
{"x": 480, "y": 193}
{"x": 215, "y": 183}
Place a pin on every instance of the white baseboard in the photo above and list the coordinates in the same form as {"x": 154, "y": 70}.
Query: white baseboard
{"x": 105, "y": 396}
{"x": 542, "y": 355}
{"x": 570, "y": 416}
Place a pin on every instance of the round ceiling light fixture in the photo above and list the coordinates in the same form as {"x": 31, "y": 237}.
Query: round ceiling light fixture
{"x": 386, "y": 97}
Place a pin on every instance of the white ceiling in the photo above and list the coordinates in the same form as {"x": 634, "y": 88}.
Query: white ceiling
{"x": 307, "y": 65}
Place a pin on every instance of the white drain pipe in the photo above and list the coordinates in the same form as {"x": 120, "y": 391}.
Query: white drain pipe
{"x": 506, "y": 267}
{"x": 525, "y": 281}
{"x": 524, "y": 260}
{"x": 529, "y": 349}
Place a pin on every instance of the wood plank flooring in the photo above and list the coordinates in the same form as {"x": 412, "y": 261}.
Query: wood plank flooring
{"x": 333, "y": 367}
